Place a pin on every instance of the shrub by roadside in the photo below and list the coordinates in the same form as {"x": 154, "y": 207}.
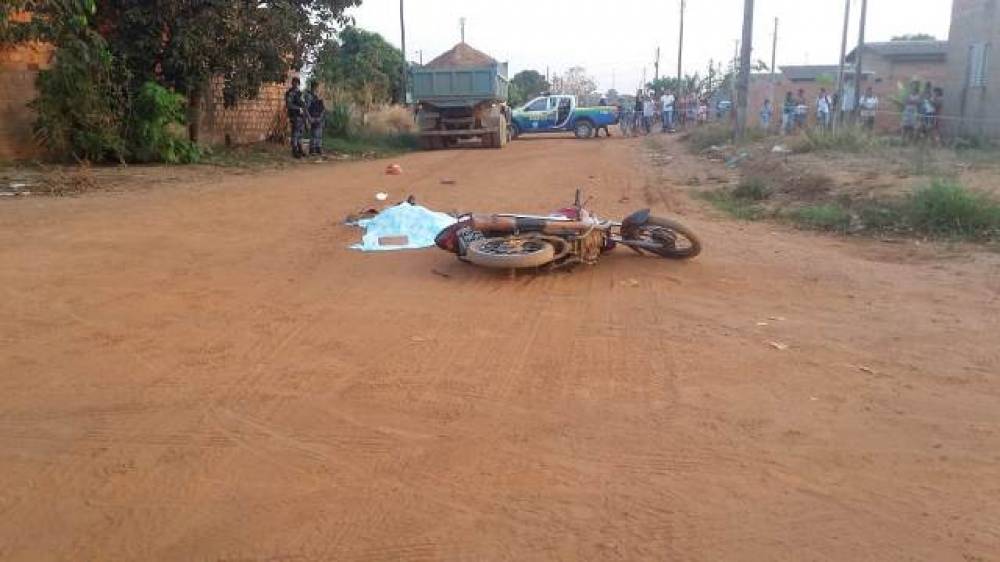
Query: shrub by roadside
{"x": 942, "y": 209}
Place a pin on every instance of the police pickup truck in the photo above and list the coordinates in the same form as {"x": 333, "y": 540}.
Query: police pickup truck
{"x": 560, "y": 113}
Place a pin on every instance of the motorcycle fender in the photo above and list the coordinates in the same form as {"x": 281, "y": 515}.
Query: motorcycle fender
{"x": 635, "y": 220}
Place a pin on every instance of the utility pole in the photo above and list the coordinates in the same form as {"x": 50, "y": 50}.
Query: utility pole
{"x": 643, "y": 87}
{"x": 420, "y": 53}
{"x": 744, "y": 84}
{"x": 837, "y": 111}
{"x": 656, "y": 66}
{"x": 680, "y": 50}
{"x": 858, "y": 69}
{"x": 774, "y": 60}
{"x": 402, "y": 32}
{"x": 461, "y": 22}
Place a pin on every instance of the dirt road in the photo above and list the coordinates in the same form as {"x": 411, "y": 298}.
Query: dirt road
{"x": 206, "y": 372}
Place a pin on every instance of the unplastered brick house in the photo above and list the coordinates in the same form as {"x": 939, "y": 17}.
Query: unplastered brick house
{"x": 247, "y": 121}
{"x": 888, "y": 66}
{"x": 972, "y": 103}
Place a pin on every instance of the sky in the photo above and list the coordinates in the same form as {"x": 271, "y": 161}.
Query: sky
{"x": 615, "y": 40}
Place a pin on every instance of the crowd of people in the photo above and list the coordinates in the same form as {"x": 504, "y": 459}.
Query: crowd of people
{"x": 664, "y": 108}
{"x": 920, "y": 112}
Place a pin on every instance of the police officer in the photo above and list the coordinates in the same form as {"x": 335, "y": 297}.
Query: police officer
{"x": 316, "y": 110}
{"x": 296, "y": 107}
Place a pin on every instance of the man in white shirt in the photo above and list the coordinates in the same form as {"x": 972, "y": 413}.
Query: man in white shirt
{"x": 869, "y": 109}
{"x": 667, "y": 104}
{"x": 823, "y": 105}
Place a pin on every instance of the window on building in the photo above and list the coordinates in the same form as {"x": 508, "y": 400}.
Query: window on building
{"x": 979, "y": 61}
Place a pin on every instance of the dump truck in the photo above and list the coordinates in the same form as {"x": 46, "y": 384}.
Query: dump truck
{"x": 460, "y": 95}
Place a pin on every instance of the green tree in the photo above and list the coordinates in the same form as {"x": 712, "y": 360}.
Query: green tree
{"x": 361, "y": 66}
{"x": 526, "y": 85}
{"x": 80, "y": 99}
{"x": 915, "y": 37}
{"x": 185, "y": 44}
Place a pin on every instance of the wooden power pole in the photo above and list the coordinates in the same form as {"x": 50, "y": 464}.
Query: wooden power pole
{"x": 656, "y": 66}
{"x": 858, "y": 69}
{"x": 838, "y": 111}
{"x": 743, "y": 90}
{"x": 680, "y": 51}
{"x": 774, "y": 61}
{"x": 402, "y": 32}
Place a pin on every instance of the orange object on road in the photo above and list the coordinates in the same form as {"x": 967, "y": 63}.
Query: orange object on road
{"x": 394, "y": 170}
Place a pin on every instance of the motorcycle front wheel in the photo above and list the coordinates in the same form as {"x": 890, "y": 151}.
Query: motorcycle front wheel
{"x": 511, "y": 252}
{"x": 671, "y": 239}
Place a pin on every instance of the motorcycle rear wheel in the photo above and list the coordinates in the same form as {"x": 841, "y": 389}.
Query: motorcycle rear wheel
{"x": 677, "y": 241}
{"x": 511, "y": 252}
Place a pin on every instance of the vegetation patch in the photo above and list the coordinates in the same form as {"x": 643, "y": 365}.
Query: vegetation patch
{"x": 707, "y": 136}
{"x": 736, "y": 207}
{"x": 826, "y": 216}
{"x": 844, "y": 139}
{"x": 752, "y": 189}
{"x": 947, "y": 209}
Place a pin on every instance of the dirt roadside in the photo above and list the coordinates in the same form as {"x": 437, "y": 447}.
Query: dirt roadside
{"x": 206, "y": 372}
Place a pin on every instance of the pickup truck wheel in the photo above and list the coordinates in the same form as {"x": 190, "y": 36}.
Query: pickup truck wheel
{"x": 583, "y": 129}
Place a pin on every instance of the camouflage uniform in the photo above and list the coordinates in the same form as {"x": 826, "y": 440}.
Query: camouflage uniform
{"x": 296, "y": 108}
{"x": 316, "y": 110}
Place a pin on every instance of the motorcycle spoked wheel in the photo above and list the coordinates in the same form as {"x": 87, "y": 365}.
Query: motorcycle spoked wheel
{"x": 511, "y": 252}
{"x": 676, "y": 240}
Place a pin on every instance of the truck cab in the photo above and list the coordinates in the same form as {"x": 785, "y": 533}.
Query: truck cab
{"x": 554, "y": 113}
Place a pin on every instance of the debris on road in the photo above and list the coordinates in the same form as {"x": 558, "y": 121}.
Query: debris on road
{"x": 394, "y": 170}
{"x": 778, "y": 345}
{"x": 448, "y": 181}
{"x": 381, "y": 196}
{"x": 404, "y": 226}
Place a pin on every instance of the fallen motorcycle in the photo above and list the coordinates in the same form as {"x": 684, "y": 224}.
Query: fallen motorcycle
{"x": 568, "y": 237}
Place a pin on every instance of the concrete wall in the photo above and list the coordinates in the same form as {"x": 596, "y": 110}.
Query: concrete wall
{"x": 19, "y": 67}
{"x": 968, "y": 110}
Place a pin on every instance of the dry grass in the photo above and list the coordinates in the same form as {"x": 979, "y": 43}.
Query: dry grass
{"x": 61, "y": 182}
{"x": 389, "y": 120}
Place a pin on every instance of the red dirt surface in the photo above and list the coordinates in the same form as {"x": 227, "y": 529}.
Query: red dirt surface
{"x": 204, "y": 371}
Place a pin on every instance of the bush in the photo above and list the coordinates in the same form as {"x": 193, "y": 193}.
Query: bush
{"x": 338, "y": 121}
{"x": 752, "y": 189}
{"x": 156, "y": 133}
{"x": 79, "y": 102}
{"x": 946, "y": 208}
{"x": 706, "y": 136}
{"x": 823, "y": 217}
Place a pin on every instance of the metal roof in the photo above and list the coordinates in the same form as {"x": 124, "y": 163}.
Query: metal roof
{"x": 807, "y": 73}
{"x": 912, "y": 50}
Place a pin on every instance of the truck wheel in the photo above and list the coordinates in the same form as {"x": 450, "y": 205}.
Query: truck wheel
{"x": 583, "y": 129}
{"x": 515, "y": 131}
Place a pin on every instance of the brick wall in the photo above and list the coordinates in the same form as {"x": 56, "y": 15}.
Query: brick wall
{"x": 884, "y": 81}
{"x": 973, "y": 110}
{"x": 19, "y": 67}
{"x": 249, "y": 121}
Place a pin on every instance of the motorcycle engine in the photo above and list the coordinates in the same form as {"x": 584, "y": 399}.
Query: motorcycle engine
{"x": 592, "y": 246}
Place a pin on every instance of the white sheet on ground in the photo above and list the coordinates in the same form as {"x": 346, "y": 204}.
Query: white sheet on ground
{"x": 419, "y": 224}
